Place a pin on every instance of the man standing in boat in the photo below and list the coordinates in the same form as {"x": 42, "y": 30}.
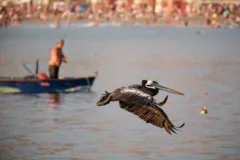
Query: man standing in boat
{"x": 56, "y": 59}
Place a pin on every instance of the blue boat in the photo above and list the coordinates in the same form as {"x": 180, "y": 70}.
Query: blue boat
{"x": 31, "y": 84}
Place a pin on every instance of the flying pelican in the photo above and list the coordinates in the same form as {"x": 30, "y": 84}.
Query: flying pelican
{"x": 138, "y": 99}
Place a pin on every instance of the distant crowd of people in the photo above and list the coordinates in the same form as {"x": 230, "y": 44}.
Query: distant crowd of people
{"x": 218, "y": 14}
{"x": 9, "y": 16}
{"x": 212, "y": 15}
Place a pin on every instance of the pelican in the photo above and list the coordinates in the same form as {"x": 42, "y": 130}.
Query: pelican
{"x": 138, "y": 99}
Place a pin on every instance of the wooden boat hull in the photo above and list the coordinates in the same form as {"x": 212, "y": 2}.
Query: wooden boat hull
{"x": 35, "y": 86}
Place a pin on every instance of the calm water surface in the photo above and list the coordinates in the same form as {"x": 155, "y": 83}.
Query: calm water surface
{"x": 70, "y": 126}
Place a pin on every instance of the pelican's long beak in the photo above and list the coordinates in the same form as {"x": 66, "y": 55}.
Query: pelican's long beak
{"x": 161, "y": 87}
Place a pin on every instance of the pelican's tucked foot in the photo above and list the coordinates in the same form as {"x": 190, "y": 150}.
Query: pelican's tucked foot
{"x": 105, "y": 99}
{"x": 163, "y": 102}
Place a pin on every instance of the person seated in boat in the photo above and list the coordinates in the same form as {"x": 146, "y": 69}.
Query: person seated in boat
{"x": 56, "y": 59}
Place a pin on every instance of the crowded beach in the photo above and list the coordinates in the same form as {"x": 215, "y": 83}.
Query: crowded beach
{"x": 211, "y": 14}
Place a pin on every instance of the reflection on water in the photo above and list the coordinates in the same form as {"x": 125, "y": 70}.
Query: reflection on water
{"x": 55, "y": 99}
{"x": 71, "y": 126}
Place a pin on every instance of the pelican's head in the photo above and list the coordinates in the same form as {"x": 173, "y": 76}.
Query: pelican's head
{"x": 154, "y": 85}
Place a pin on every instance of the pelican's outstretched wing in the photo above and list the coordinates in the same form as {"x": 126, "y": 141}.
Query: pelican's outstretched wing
{"x": 131, "y": 96}
{"x": 151, "y": 114}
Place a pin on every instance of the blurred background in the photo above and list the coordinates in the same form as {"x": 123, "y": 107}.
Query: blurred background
{"x": 212, "y": 13}
{"x": 188, "y": 45}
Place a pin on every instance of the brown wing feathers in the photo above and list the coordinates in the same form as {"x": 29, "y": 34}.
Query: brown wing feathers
{"x": 151, "y": 114}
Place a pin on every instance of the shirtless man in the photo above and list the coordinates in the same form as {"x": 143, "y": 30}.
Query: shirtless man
{"x": 56, "y": 59}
